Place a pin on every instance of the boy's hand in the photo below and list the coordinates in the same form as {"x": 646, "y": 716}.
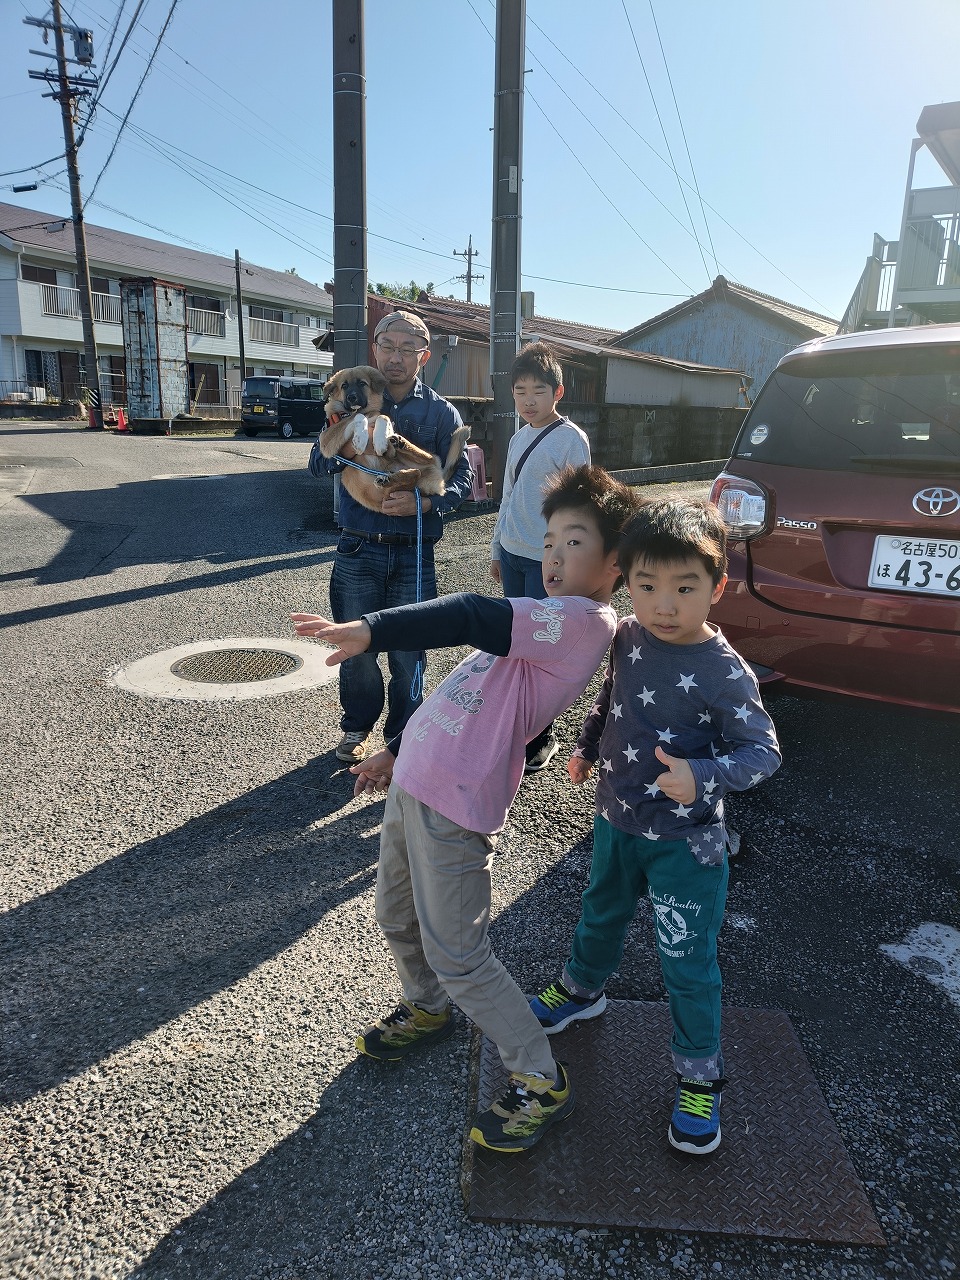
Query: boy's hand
{"x": 495, "y": 571}
{"x": 348, "y": 638}
{"x": 678, "y": 782}
{"x": 579, "y": 769}
{"x": 374, "y": 773}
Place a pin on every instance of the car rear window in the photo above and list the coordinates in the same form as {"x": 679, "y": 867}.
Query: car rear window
{"x": 842, "y": 420}
{"x": 259, "y": 387}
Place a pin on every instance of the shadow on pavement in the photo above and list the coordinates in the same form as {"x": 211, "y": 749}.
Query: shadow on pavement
{"x": 115, "y": 953}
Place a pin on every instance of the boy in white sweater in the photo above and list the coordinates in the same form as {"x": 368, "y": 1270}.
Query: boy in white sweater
{"x": 546, "y": 443}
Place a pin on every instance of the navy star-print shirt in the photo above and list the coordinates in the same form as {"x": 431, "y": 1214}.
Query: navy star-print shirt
{"x": 700, "y": 702}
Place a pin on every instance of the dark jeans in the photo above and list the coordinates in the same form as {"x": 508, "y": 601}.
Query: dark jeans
{"x": 520, "y": 576}
{"x": 367, "y": 577}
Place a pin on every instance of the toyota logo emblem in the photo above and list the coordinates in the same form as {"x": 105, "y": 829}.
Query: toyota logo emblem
{"x": 936, "y": 502}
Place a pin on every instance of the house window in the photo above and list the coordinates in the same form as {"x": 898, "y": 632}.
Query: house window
{"x": 266, "y": 313}
{"x": 41, "y": 275}
{"x": 33, "y": 362}
{"x": 202, "y": 303}
{"x": 274, "y": 373}
{"x": 98, "y": 284}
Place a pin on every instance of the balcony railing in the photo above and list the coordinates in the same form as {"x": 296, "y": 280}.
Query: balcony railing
{"x": 57, "y": 300}
{"x": 211, "y": 324}
{"x": 275, "y": 331}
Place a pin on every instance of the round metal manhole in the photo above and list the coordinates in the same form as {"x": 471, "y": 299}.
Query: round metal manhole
{"x": 227, "y": 670}
{"x": 236, "y": 666}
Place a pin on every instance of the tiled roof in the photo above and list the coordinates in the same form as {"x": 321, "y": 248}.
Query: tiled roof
{"x": 140, "y": 256}
{"x": 806, "y": 323}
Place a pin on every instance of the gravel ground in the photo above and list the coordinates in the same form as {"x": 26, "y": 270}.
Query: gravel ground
{"x": 189, "y": 943}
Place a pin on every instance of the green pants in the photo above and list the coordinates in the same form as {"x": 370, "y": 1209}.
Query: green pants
{"x": 688, "y": 901}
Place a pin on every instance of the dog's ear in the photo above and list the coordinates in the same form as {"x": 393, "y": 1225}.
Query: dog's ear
{"x": 378, "y": 383}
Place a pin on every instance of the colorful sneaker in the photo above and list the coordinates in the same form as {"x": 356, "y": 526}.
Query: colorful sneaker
{"x": 352, "y": 747}
{"x": 695, "y": 1123}
{"x": 520, "y": 1118}
{"x": 405, "y": 1030}
{"x": 556, "y": 1008}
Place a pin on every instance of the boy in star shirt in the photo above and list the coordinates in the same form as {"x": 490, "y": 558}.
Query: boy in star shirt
{"x": 678, "y": 723}
{"x": 454, "y": 776}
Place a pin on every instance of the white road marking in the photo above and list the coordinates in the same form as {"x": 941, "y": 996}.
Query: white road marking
{"x": 933, "y": 950}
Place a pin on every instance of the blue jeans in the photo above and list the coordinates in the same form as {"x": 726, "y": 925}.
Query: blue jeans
{"x": 520, "y": 576}
{"x": 367, "y": 577}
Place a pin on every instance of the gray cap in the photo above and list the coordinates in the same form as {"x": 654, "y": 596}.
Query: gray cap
{"x": 405, "y": 321}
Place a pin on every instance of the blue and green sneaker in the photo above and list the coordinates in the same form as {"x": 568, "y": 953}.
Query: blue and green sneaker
{"x": 695, "y": 1123}
{"x": 556, "y": 1007}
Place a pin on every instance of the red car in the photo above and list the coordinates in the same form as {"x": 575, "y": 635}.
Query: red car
{"x": 842, "y": 498}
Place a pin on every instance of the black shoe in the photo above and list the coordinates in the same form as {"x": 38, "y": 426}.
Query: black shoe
{"x": 520, "y": 1118}
{"x": 541, "y": 757}
{"x": 404, "y": 1031}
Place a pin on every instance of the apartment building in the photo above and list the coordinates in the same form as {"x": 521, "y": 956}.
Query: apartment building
{"x": 41, "y": 343}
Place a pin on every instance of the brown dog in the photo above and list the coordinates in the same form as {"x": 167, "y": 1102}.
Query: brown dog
{"x": 354, "y": 401}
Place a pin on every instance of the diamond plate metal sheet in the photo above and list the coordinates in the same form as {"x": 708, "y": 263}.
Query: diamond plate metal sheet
{"x": 781, "y": 1170}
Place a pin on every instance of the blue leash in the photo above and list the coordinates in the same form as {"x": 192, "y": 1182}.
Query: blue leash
{"x": 416, "y": 684}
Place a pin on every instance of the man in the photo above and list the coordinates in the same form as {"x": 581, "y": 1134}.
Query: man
{"x": 376, "y": 562}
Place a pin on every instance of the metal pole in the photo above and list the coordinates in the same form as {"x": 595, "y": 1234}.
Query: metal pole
{"x": 505, "y": 257}
{"x": 349, "y": 187}
{"x": 65, "y": 98}
{"x": 243, "y": 360}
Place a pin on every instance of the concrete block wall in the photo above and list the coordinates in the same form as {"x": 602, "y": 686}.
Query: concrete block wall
{"x": 625, "y": 437}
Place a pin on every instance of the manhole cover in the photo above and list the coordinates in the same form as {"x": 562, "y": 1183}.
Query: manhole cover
{"x": 236, "y": 666}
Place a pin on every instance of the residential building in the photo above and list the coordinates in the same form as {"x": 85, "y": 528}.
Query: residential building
{"x": 41, "y": 343}
{"x": 916, "y": 279}
{"x": 731, "y": 326}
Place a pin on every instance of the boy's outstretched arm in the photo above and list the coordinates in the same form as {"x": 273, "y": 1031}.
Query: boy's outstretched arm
{"x": 348, "y": 638}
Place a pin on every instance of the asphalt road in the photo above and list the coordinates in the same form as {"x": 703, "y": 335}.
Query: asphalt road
{"x": 188, "y": 943}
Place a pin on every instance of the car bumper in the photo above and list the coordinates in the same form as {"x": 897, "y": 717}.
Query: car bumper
{"x": 897, "y": 665}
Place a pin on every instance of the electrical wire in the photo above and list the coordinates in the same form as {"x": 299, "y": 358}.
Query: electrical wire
{"x": 683, "y": 134}
{"x": 653, "y": 99}
{"x": 133, "y": 100}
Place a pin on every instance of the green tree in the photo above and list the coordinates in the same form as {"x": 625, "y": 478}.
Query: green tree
{"x": 401, "y": 292}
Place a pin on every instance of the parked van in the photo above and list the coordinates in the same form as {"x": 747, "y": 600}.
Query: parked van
{"x": 289, "y": 406}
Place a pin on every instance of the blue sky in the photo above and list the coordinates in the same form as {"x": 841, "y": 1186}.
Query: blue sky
{"x": 798, "y": 119}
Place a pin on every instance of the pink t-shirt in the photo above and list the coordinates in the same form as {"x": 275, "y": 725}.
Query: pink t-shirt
{"x": 463, "y": 750}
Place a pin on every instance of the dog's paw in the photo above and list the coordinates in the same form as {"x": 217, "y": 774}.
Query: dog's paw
{"x": 359, "y": 436}
{"x": 382, "y": 434}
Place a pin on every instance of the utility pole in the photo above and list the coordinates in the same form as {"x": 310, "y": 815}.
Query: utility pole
{"x": 505, "y": 258}
{"x": 243, "y": 361}
{"x": 469, "y": 253}
{"x": 349, "y": 187}
{"x": 68, "y": 90}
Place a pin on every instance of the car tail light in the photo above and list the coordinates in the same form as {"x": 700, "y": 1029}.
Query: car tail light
{"x": 743, "y": 506}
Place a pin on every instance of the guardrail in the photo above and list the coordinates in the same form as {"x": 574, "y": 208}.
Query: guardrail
{"x": 275, "y": 331}
{"x": 211, "y": 324}
{"x": 58, "y": 300}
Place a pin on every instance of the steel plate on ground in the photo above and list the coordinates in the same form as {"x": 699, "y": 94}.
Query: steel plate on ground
{"x": 781, "y": 1170}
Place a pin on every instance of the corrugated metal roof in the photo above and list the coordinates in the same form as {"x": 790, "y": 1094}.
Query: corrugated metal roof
{"x": 806, "y": 323}
{"x": 138, "y": 255}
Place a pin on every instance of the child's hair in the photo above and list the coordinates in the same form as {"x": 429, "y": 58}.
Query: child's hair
{"x": 666, "y": 531}
{"x": 595, "y": 490}
{"x": 537, "y": 360}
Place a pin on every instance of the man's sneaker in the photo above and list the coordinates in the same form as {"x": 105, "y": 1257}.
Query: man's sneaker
{"x": 542, "y": 755}
{"x": 556, "y": 1008}
{"x": 520, "y": 1118}
{"x": 352, "y": 747}
{"x": 695, "y": 1123}
{"x": 405, "y": 1030}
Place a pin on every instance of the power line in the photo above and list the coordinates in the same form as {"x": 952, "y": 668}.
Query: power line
{"x": 683, "y": 134}
{"x": 170, "y": 13}
{"x": 666, "y": 140}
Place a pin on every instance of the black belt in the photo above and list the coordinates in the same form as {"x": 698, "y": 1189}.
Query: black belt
{"x": 387, "y": 539}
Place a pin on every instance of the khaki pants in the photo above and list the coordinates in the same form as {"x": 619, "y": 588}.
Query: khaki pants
{"x": 433, "y": 905}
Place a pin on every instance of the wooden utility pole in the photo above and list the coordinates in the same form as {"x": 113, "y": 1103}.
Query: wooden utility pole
{"x": 505, "y": 258}
{"x": 349, "y": 187}
{"x": 67, "y": 92}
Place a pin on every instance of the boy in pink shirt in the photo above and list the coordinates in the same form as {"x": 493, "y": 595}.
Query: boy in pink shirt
{"x": 455, "y": 776}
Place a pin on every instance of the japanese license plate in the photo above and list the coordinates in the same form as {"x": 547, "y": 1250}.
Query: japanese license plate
{"x": 258, "y": 408}
{"x": 916, "y": 564}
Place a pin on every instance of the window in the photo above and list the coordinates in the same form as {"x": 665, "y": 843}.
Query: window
{"x": 33, "y": 360}
{"x": 41, "y": 275}
{"x": 203, "y": 303}
{"x": 266, "y": 313}
{"x": 99, "y": 284}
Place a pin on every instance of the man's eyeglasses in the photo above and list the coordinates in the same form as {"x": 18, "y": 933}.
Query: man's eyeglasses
{"x": 408, "y": 353}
